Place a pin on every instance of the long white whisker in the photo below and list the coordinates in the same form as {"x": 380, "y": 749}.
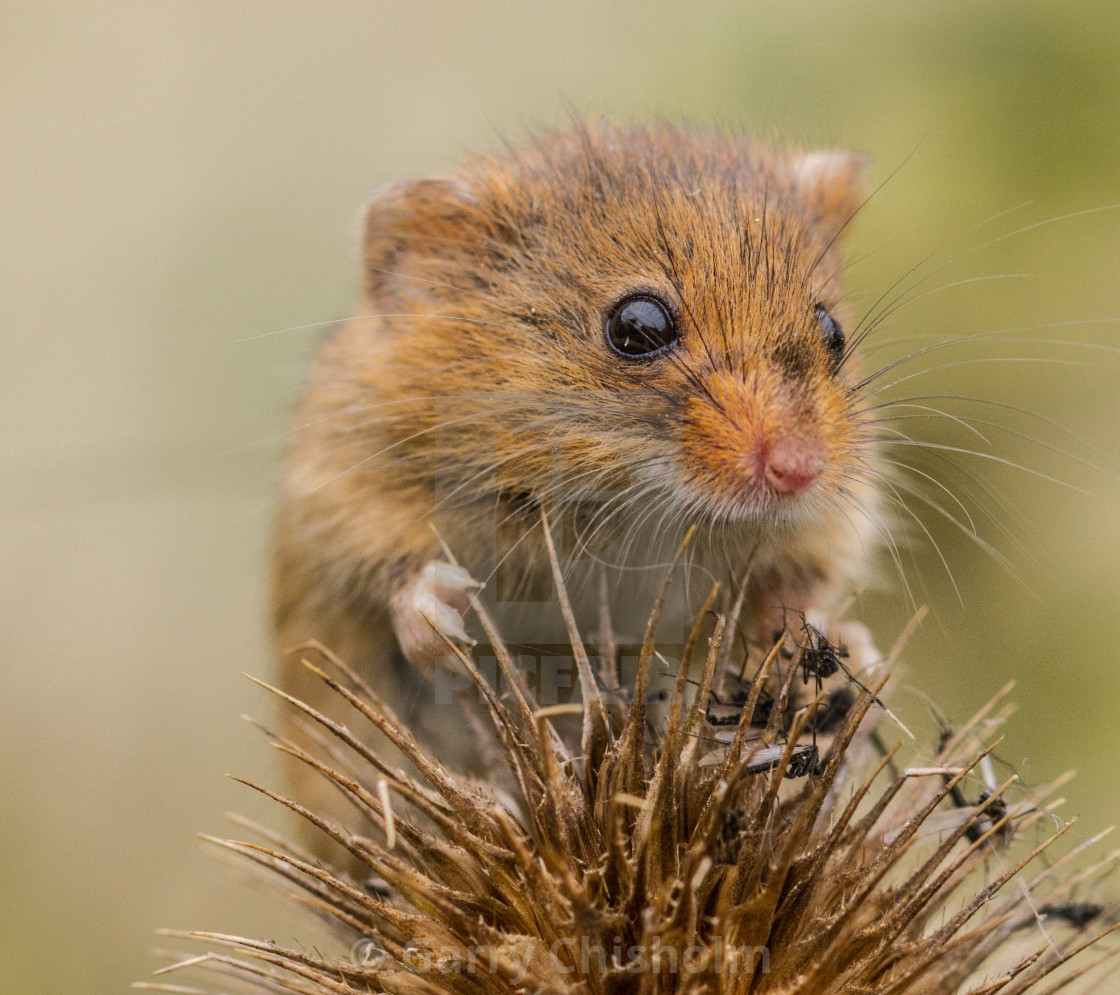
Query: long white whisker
{"x": 937, "y": 483}
{"x": 983, "y": 337}
{"x": 1026, "y": 412}
{"x": 986, "y": 245}
{"x": 905, "y": 302}
{"x": 361, "y": 317}
{"x": 905, "y": 441}
{"x": 933, "y": 542}
{"x": 932, "y": 413}
{"x": 940, "y": 343}
{"x": 962, "y": 362}
{"x": 509, "y": 552}
{"x": 401, "y": 442}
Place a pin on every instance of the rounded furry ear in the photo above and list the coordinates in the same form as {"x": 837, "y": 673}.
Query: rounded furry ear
{"x": 402, "y": 218}
{"x": 833, "y": 183}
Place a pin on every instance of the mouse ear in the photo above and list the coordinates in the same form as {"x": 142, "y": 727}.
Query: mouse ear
{"x": 404, "y": 216}
{"x": 834, "y": 185}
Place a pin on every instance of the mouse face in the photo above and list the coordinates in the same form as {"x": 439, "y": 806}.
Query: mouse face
{"x": 646, "y": 319}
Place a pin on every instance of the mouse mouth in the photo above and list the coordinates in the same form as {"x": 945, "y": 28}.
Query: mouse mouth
{"x": 758, "y": 447}
{"x": 779, "y": 475}
{"x": 758, "y": 502}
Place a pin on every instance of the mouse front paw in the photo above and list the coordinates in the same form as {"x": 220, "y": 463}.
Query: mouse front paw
{"x": 430, "y": 606}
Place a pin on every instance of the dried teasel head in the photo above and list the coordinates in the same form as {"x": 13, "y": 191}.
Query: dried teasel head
{"x": 718, "y": 858}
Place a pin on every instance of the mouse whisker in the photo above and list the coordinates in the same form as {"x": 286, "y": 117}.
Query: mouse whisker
{"x": 1003, "y": 406}
{"x": 464, "y": 291}
{"x": 954, "y": 468}
{"x": 347, "y": 411}
{"x": 936, "y": 341}
{"x": 982, "y": 337}
{"x": 861, "y": 331}
{"x": 622, "y": 564}
{"x": 968, "y": 252}
{"x": 971, "y": 533}
{"x": 899, "y": 303}
{"x": 1003, "y": 515}
{"x": 513, "y": 547}
{"x": 410, "y": 438}
{"x": 971, "y": 422}
{"x": 899, "y": 439}
{"x": 892, "y": 490}
{"x": 956, "y": 363}
{"x": 970, "y": 530}
{"x": 931, "y": 413}
{"x": 937, "y": 483}
{"x": 379, "y": 315}
{"x": 882, "y": 527}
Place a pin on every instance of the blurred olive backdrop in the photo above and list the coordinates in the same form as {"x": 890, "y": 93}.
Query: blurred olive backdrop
{"x": 178, "y": 179}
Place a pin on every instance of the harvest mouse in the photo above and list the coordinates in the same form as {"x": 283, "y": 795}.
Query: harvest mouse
{"x": 634, "y": 329}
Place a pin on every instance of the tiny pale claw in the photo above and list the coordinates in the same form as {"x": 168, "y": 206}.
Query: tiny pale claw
{"x": 444, "y": 620}
{"x": 440, "y": 573}
{"x": 430, "y": 607}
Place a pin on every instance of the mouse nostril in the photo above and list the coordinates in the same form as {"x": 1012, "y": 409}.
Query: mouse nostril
{"x": 793, "y": 471}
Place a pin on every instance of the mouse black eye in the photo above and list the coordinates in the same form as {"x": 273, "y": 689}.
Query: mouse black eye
{"x": 641, "y": 325}
{"x": 832, "y": 333}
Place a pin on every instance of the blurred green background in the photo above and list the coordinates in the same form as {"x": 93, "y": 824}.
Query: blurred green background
{"x": 179, "y": 177}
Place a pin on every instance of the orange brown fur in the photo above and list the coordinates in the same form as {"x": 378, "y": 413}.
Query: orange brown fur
{"x": 475, "y": 383}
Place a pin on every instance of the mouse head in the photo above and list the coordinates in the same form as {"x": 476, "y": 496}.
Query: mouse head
{"x": 653, "y": 313}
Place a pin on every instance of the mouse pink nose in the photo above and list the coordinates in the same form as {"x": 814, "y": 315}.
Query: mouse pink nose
{"x": 793, "y": 469}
